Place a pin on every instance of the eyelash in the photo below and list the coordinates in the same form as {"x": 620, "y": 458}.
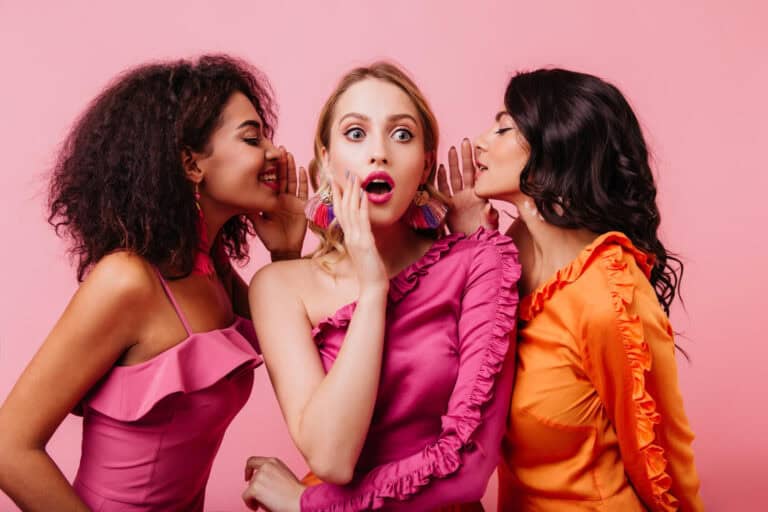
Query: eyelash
{"x": 253, "y": 141}
{"x": 502, "y": 131}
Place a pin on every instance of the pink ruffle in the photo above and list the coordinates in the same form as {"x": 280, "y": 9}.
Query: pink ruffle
{"x": 127, "y": 393}
{"x": 443, "y": 457}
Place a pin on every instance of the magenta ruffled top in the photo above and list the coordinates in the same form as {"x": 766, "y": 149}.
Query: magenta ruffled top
{"x": 446, "y": 379}
{"x": 151, "y": 430}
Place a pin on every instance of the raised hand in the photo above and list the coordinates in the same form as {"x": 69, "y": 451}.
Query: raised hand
{"x": 350, "y": 204}
{"x": 468, "y": 212}
{"x": 282, "y": 231}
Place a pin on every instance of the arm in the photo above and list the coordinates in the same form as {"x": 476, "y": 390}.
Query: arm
{"x": 95, "y": 329}
{"x": 629, "y": 356}
{"x": 456, "y": 467}
{"x": 328, "y": 415}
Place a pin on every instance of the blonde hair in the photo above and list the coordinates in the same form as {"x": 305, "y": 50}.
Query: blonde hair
{"x": 332, "y": 238}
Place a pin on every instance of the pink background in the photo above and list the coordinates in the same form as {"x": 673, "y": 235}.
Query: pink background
{"x": 696, "y": 75}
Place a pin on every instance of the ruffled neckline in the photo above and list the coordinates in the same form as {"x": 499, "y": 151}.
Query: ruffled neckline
{"x": 128, "y": 393}
{"x": 533, "y": 303}
{"x": 400, "y": 285}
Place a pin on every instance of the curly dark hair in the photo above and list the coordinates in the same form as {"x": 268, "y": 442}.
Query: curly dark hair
{"x": 119, "y": 182}
{"x": 588, "y": 165}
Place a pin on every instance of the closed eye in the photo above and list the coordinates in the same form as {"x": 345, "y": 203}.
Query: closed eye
{"x": 502, "y": 131}
{"x": 253, "y": 141}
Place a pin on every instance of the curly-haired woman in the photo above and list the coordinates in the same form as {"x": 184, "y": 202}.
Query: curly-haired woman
{"x": 158, "y": 186}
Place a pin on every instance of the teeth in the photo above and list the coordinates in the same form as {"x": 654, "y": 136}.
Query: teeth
{"x": 268, "y": 177}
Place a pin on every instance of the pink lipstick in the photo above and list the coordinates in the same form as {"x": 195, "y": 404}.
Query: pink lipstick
{"x": 379, "y": 187}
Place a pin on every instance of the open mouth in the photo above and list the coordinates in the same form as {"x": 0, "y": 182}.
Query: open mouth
{"x": 379, "y": 186}
{"x": 269, "y": 178}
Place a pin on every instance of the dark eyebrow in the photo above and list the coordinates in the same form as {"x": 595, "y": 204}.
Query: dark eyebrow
{"x": 501, "y": 114}
{"x": 250, "y": 122}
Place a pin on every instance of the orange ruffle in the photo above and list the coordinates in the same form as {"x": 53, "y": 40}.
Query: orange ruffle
{"x": 534, "y": 302}
{"x": 639, "y": 357}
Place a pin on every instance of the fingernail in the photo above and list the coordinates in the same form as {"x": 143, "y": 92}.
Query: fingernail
{"x": 346, "y": 173}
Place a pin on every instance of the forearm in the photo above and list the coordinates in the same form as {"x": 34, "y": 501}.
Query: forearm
{"x": 336, "y": 419}
{"x": 34, "y": 482}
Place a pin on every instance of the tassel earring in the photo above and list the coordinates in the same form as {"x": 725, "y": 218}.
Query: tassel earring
{"x": 319, "y": 209}
{"x": 203, "y": 263}
{"x": 426, "y": 212}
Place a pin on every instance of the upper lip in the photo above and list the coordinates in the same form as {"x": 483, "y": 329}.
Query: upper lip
{"x": 380, "y": 176}
{"x": 480, "y": 164}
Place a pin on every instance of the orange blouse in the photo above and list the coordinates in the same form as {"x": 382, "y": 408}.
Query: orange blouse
{"x": 597, "y": 420}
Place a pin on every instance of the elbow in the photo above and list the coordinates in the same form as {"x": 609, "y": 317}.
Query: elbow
{"x": 332, "y": 470}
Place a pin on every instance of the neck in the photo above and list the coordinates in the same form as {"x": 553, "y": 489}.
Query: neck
{"x": 544, "y": 247}
{"x": 399, "y": 246}
{"x": 214, "y": 220}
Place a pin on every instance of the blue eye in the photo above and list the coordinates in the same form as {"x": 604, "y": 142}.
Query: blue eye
{"x": 403, "y": 135}
{"x": 355, "y": 133}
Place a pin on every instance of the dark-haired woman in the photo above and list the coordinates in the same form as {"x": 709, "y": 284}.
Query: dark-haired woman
{"x": 158, "y": 187}
{"x": 597, "y": 419}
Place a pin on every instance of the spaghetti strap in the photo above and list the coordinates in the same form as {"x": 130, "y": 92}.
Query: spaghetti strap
{"x": 173, "y": 302}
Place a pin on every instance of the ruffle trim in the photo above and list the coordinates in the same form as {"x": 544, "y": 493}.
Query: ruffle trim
{"x": 638, "y": 353}
{"x": 406, "y": 281}
{"x": 128, "y": 393}
{"x": 443, "y": 457}
{"x": 532, "y": 304}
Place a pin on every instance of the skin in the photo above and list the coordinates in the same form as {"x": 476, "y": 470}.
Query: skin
{"x": 373, "y": 128}
{"x": 121, "y": 315}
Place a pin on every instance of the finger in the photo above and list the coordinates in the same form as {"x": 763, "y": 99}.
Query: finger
{"x": 252, "y": 465}
{"x": 283, "y": 169}
{"x": 467, "y": 164}
{"x": 442, "y": 181}
{"x": 303, "y": 189}
{"x": 337, "y": 199}
{"x": 291, "y": 164}
{"x": 353, "y": 206}
{"x": 453, "y": 168}
{"x": 365, "y": 220}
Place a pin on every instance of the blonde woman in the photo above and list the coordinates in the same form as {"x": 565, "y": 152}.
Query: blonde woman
{"x": 388, "y": 349}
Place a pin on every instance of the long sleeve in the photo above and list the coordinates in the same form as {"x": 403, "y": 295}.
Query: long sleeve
{"x": 628, "y": 351}
{"x": 455, "y": 468}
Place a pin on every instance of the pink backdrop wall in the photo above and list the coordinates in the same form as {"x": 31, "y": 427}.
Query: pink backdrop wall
{"x": 696, "y": 74}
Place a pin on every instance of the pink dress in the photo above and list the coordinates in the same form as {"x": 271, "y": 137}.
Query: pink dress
{"x": 446, "y": 380}
{"x": 151, "y": 430}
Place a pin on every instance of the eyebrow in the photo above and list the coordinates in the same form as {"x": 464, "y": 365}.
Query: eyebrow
{"x": 250, "y": 122}
{"x": 501, "y": 114}
{"x": 395, "y": 117}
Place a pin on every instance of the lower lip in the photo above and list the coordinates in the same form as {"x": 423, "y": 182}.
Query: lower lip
{"x": 271, "y": 184}
{"x": 380, "y": 198}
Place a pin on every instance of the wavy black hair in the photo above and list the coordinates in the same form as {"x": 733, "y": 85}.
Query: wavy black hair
{"x": 119, "y": 183}
{"x": 589, "y": 164}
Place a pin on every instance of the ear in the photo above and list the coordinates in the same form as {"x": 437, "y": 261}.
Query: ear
{"x": 189, "y": 162}
{"x": 429, "y": 166}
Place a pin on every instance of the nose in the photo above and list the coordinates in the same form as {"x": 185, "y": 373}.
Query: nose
{"x": 379, "y": 152}
{"x": 272, "y": 152}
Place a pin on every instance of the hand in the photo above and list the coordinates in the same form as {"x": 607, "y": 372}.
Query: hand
{"x": 468, "y": 212}
{"x": 271, "y": 485}
{"x": 282, "y": 231}
{"x": 350, "y": 206}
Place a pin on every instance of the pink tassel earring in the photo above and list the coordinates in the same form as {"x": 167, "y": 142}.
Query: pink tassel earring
{"x": 203, "y": 263}
{"x": 426, "y": 212}
{"x": 319, "y": 209}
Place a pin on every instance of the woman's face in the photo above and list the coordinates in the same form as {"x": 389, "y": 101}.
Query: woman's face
{"x": 501, "y": 154}
{"x": 240, "y": 169}
{"x": 376, "y": 135}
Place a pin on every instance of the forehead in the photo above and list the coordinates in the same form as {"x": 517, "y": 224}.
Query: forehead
{"x": 239, "y": 109}
{"x": 376, "y": 99}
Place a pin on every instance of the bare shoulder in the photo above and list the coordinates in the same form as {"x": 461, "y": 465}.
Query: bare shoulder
{"x": 282, "y": 274}
{"x": 121, "y": 278}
